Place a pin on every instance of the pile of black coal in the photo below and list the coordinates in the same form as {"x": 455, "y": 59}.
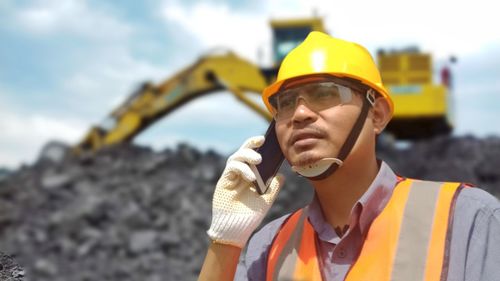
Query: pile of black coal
{"x": 465, "y": 159}
{"x": 9, "y": 269}
{"x": 130, "y": 213}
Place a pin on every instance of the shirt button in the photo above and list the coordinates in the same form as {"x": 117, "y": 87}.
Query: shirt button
{"x": 341, "y": 253}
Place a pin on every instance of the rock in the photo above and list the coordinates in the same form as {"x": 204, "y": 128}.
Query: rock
{"x": 10, "y": 269}
{"x": 143, "y": 240}
{"x": 4, "y": 173}
{"x": 51, "y": 181}
{"x": 54, "y": 151}
{"x": 45, "y": 267}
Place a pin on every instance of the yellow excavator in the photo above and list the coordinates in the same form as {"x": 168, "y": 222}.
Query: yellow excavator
{"x": 152, "y": 102}
{"x": 215, "y": 72}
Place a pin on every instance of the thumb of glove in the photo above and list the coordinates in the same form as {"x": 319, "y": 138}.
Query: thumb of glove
{"x": 274, "y": 189}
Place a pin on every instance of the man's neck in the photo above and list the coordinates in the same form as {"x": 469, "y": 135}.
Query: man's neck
{"x": 338, "y": 193}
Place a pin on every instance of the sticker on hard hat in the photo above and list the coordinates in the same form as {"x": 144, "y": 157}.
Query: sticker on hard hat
{"x": 405, "y": 90}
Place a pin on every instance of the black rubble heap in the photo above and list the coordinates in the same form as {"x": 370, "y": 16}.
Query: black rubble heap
{"x": 130, "y": 213}
{"x": 9, "y": 269}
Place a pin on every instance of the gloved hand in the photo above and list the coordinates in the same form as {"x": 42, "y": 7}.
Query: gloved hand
{"x": 237, "y": 208}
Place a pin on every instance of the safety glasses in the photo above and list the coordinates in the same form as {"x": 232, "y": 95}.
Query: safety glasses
{"x": 317, "y": 95}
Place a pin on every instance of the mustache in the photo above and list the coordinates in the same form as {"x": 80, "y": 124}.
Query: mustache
{"x": 309, "y": 131}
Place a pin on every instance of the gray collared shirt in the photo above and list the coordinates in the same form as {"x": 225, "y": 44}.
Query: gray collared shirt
{"x": 475, "y": 244}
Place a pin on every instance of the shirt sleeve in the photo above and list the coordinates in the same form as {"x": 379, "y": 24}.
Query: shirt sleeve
{"x": 253, "y": 267}
{"x": 475, "y": 244}
{"x": 483, "y": 260}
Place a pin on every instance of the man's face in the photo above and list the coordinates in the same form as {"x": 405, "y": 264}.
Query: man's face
{"x": 308, "y": 135}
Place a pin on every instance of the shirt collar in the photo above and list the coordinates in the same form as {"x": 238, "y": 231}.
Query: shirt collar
{"x": 366, "y": 209}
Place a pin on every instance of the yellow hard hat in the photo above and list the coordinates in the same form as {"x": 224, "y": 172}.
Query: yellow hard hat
{"x": 323, "y": 54}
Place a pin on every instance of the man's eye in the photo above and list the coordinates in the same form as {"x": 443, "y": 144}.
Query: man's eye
{"x": 273, "y": 101}
{"x": 323, "y": 94}
{"x": 286, "y": 102}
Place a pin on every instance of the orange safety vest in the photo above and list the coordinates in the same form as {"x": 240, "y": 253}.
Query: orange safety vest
{"x": 408, "y": 240}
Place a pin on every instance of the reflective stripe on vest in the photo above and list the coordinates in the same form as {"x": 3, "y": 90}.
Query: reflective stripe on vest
{"x": 408, "y": 240}
{"x": 293, "y": 254}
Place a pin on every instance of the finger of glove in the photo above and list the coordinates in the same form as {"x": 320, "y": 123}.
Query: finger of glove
{"x": 240, "y": 169}
{"x": 253, "y": 142}
{"x": 246, "y": 155}
{"x": 274, "y": 188}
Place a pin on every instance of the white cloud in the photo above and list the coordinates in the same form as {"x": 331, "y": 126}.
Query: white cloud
{"x": 215, "y": 25}
{"x": 441, "y": 27}
{"x": 99, "y": 78}
{"x": 72, "y": 17}
{"x": 23, "y": 135}
{"x": 111, "y": 76}
{"x": 103, "y": 71}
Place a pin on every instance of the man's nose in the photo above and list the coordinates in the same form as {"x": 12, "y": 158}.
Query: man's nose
{"x": 303, "y": 112}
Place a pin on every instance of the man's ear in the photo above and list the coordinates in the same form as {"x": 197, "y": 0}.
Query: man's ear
{"x": 381, "y": 114}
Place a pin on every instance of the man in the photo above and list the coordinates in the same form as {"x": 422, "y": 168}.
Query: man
{"x": 364, "y": 223}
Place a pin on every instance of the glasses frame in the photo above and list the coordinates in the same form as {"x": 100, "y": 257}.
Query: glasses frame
{"x": 354, "y": 85}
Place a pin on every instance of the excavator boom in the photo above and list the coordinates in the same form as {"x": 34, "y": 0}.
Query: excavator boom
{"x": 152, "y": 102}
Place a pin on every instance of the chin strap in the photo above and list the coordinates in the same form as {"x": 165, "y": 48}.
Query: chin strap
{"x": 344, "y": 150}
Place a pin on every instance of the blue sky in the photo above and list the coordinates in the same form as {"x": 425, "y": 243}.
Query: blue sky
{"x": 64, "y": 65}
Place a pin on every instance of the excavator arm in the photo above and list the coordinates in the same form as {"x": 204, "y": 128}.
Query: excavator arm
{"x": 150, "y": 103}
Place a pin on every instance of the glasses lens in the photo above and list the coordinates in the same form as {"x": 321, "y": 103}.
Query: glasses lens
{"x": 317, "y": 96}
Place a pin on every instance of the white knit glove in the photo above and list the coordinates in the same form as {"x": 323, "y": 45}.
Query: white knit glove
{"x": 237, "y": 208}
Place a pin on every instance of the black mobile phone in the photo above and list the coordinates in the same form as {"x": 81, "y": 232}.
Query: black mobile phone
{"x": 272, "y": 158}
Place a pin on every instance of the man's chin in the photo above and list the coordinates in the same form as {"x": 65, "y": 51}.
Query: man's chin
{"x": 306, "y": 158}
